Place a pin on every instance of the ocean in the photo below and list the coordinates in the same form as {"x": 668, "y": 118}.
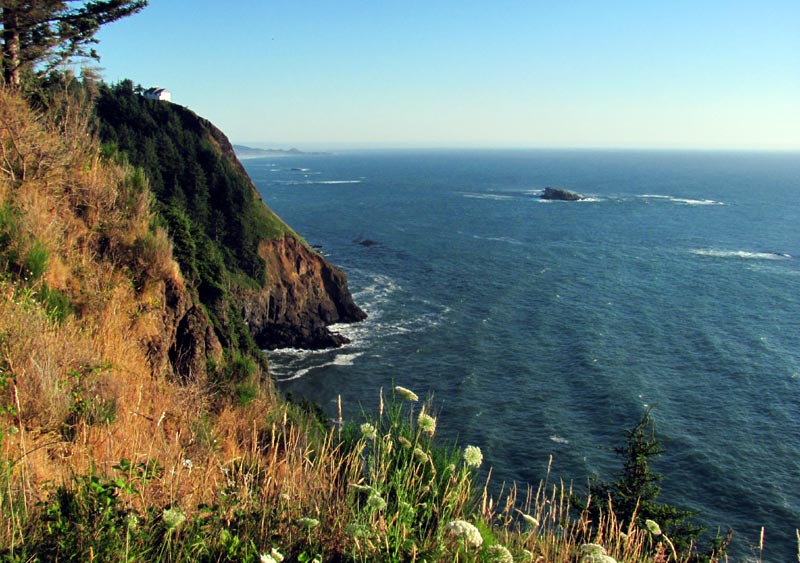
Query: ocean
{"x": 546, "y": 329}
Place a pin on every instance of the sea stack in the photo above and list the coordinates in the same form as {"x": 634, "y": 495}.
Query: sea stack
{"x": 558, "y": 194}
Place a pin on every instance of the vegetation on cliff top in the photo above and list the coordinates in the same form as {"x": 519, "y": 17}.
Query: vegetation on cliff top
{"x": 113, "y": 258}
{"x": 105, "y": 454}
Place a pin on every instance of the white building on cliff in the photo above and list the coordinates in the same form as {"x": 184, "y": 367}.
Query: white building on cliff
{"x": 158, "y": 94}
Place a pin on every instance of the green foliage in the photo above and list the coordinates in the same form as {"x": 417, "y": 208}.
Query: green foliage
{"x": 89, "y": 404}
{"x": 56, "y": 303}
{"x": 634, "y": 494}
{"x": 35, "y": 261}
{"x": 9, "y": 229}
{"x": 44, "y": 35}
{"x": 422, "y": 485}
{"x": 204, "y": 198}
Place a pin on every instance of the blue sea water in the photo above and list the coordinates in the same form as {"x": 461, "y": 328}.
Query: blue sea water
{"x": 548, "y": 328}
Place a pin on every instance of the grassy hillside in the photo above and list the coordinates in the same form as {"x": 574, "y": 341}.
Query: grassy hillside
{"x": 229, "y": 244}
{"x": 109, "y": 453}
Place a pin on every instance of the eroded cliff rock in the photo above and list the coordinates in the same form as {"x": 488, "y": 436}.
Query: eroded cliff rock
{"x": 186, "y": 339}
{"x": 303, "y": 295}
{"x": 235, "y": 254}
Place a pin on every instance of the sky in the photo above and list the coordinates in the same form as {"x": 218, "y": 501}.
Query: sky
{"x": 677, "y": 74}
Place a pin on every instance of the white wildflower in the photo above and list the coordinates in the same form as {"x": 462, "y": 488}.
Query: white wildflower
{"x": 499, "y": 554}
{"x": 369, "y": 431}
{"x": 375, "y": 501}
{"x": 172, "y": 518}
{"x": 598, "y": 558}
{"x": 473, "y": 457}
{"x": 594, "y": 553}
{"x": 592, "y": 549}
{"x": 276, "y": 555}
{"x": 426, "y": 423}
{"x": 407, "y": 394}
{"x": 308, "y": 523}
{"x": 267, "y": 558}
{"x": 465, "y": 530}
{"x": 187, "y": 463}
{"x": 653, "y": 527}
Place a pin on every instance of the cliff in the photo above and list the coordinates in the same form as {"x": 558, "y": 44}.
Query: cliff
{"x": 260, "y": 283}
{"x": 303, "y": 295}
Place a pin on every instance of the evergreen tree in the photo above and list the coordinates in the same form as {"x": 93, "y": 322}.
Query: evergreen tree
{"x": 49, "y": 33}
{"x": 635, "y": 492}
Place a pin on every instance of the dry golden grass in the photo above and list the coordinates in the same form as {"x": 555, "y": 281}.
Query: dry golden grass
{"x": 82, "y": 393}
{"x": 85, "y": 392}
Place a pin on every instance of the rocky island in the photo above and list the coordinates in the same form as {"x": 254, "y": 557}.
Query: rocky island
{"x": 559, "y": 194}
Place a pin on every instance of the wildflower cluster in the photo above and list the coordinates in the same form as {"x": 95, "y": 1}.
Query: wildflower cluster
{"x": 172, "y": 518}
{"x": 426, "y": 423}
{"x": 473, "y": 456}
{"x": 407, "y": 394}
{"x": 499, "y": 554}
{"x": 369, "y": 431}
{"x": 594, "y": 553}
{"x": 466, "y": 531}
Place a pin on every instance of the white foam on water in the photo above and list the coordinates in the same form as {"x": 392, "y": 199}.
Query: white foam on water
{"x": 508, "y": 240}
{"x": 494, "y": 197}
{"x": 558, "y": 439}
{"x": 681, "y": 200}
{"x": 338, "y": 360}
{"x": 740, "y": 254}
{"x": 376, "y": 299}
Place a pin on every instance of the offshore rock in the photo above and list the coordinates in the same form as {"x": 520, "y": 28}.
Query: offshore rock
{"x": 303, "y": 295}
{"x": 558, "y": 194}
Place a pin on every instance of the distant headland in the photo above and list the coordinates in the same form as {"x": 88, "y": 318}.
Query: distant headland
{"x": 251, "y": 152}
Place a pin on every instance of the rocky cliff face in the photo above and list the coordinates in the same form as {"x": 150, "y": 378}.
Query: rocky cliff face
{"x": 304, "y": 294}
{"x": 236, "y": 255}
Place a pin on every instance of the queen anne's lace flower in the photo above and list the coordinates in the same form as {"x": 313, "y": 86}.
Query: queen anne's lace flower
{"x": 273, "y": 556}
{"x": 594, "y": 553}
{"x": 407, "y": 394}
{"x": 463, "y": 529}
{"x": 426, "y": 423}
{"x": 653, "y": 527}
{"x": 473, "y": 457}
{"x": 369, "y": 431}
{"x": 375, "y": 501}
{"x": 172, "y": 518}
{"x": 499, "y": 554}
{"x": 308, "y": 523}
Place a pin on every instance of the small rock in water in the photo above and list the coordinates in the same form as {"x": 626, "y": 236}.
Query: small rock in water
{"x": 559, "y": 194}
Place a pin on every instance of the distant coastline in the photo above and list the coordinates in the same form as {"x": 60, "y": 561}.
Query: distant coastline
{"x": 251, "y": 152}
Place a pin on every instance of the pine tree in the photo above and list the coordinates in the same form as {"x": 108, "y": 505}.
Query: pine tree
{"x": 635, "y": 492}
{"x": 47, "y": 33}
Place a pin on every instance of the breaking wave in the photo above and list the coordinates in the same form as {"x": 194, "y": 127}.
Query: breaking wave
{"x": 741, "y": 254}
{"x": 681, "y": 200}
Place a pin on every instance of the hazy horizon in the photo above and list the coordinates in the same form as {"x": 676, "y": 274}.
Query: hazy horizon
{"x": 718, "y": 74}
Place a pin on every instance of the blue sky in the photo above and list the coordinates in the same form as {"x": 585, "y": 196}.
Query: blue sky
{"x": 461, "y": 73}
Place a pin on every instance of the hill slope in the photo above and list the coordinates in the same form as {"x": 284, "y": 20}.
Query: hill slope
{"x": 238, "y": 255}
